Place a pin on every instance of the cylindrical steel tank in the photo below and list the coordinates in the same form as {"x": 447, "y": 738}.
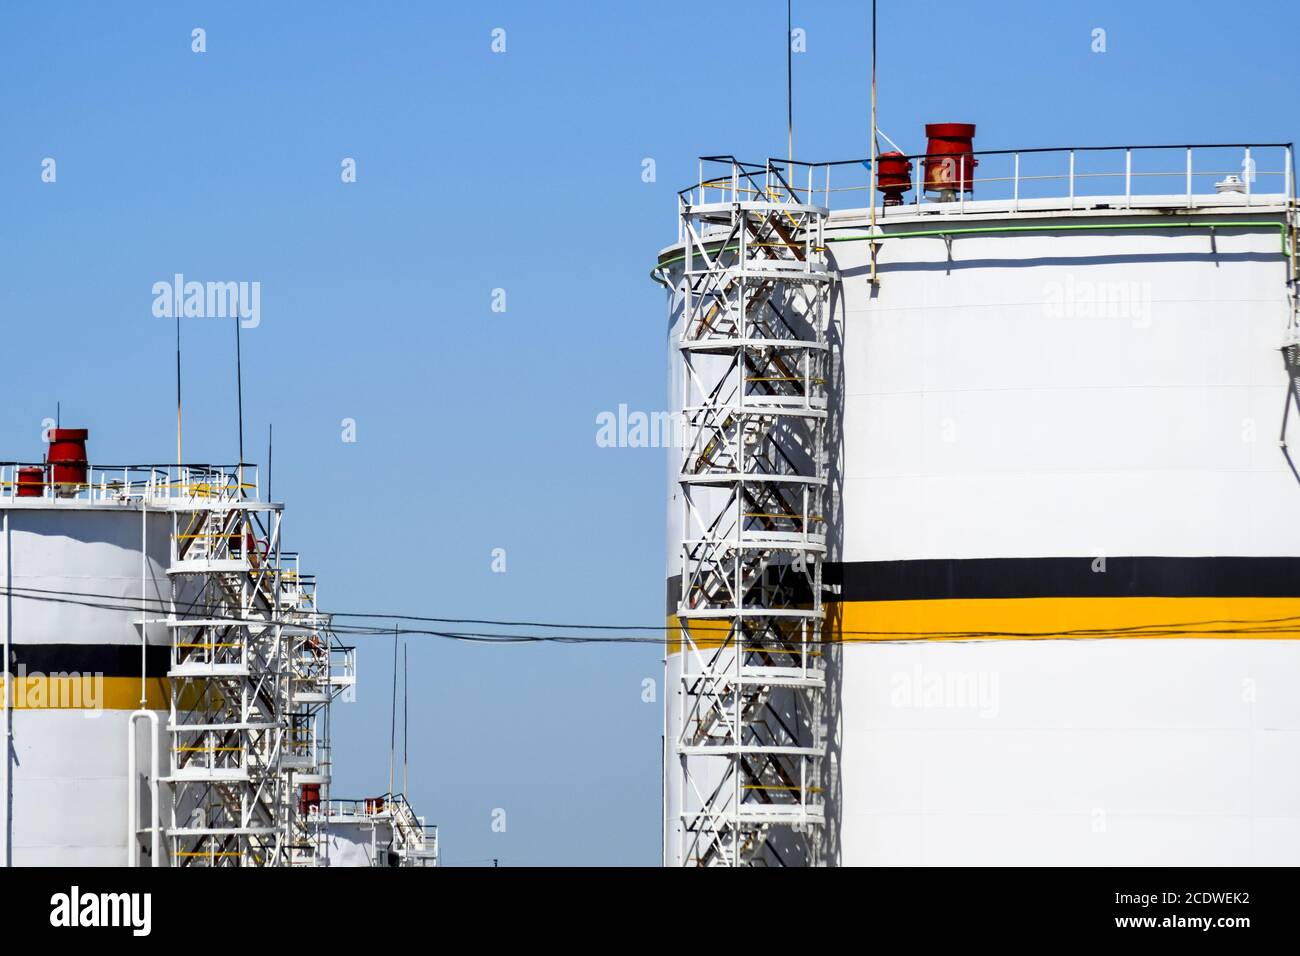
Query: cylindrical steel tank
{"x": 1065, "y": 563}
{"x": 77, "y": 670}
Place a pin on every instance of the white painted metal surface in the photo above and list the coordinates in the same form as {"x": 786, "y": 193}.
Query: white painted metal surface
{"x": 1107, "y": 752}
{"x": 1076, "y": 394}
{"x": 67, "y": 772}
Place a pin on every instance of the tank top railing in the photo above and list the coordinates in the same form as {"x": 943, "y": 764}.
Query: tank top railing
{"x": 1238, "y": 174}
{"x": 117, "y": 484}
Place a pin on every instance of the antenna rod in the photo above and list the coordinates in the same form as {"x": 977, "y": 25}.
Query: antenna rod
{"x": 392, "y": 737}
{"x": 270, "y": 442}
{"x": 406, "y": 722}
{"x": 178, "y": 386}
{"x": 871, "y": 192}
{"x": 239, "y": 391}
{"x": 789, "y": 82}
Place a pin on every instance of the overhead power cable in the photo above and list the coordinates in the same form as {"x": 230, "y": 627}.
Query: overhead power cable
{"x": 1220, "y": 627}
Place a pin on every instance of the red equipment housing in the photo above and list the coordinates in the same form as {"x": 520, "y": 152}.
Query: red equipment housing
{"x": 949, "y": 163}
{"x": 66, "y": 457}
{"x": 31, "y": 482}
{"x": 893, "y": 176}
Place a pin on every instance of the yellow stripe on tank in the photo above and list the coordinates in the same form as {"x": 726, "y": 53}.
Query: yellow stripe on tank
{"x": 86, "y": 692}
{"x": 1065, "y": 617}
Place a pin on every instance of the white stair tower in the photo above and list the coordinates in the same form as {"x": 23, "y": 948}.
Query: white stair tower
{"x": 756, "y": 289}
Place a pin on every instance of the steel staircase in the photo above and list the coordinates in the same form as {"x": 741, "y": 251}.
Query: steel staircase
{"x": 755, "y": 288}
{"x": 253, "y": 670}
{"x": 229, "y": 713}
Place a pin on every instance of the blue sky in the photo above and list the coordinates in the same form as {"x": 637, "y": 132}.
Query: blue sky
{"x": 476, "y": 171}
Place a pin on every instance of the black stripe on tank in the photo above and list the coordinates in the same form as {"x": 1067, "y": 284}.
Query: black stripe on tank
{"x": 939, "y": 578}
{"x": 107, "y": 660}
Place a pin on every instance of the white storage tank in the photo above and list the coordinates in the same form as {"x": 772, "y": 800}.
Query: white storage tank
{"x": 77, "y": 671}
{"x": 169, "y": 675}
{"x": 1063, "y": 572}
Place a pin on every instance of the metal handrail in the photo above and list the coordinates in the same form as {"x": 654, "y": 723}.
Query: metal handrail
{"x": 138, "y": 482}
{"x": 785, "y": 180}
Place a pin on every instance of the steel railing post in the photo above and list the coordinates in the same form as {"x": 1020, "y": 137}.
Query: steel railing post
{"x": 1248, "y": 168}
{"x": 1015, "y": 189}
{"x": 1128, "y": 178}
{"x": 1071, "y": 179}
